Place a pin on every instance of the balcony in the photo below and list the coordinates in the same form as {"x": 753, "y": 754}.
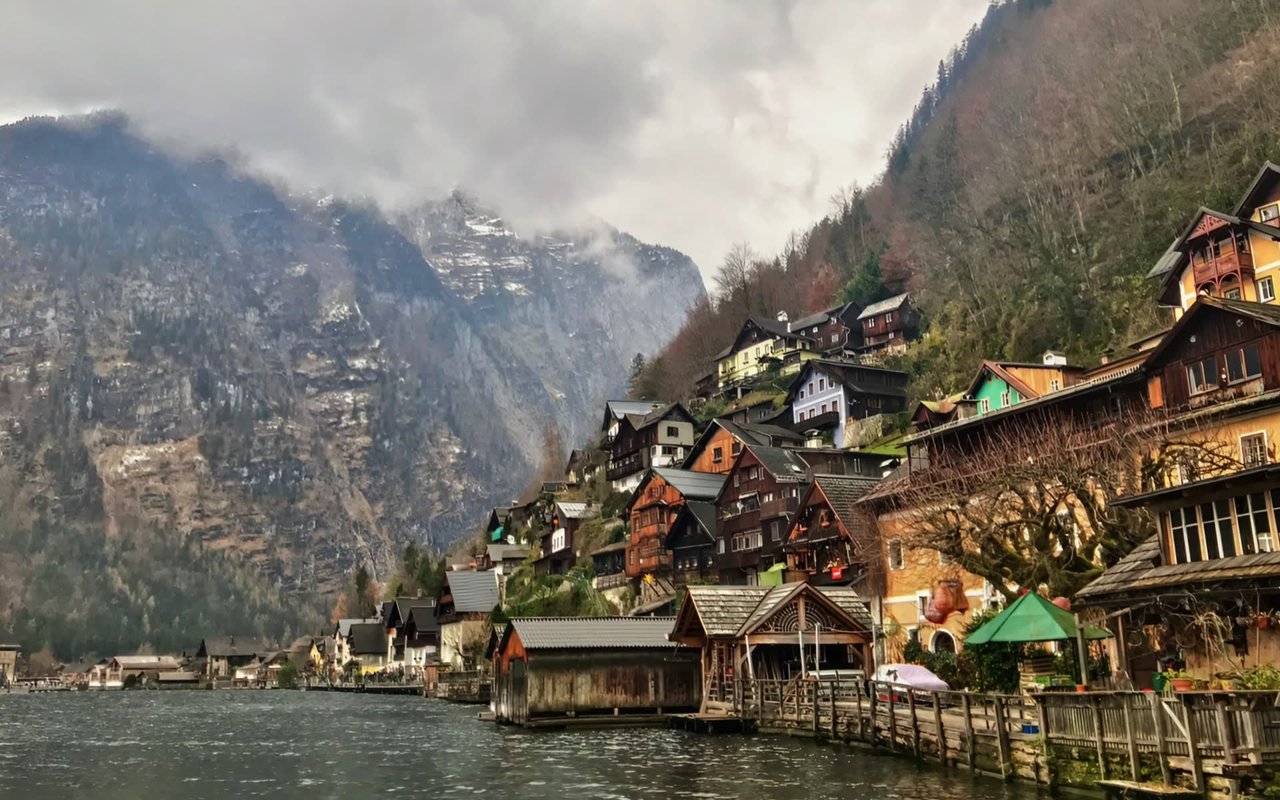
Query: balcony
{"x": 615, "y": 581}
{"x": 1233, "y": 264}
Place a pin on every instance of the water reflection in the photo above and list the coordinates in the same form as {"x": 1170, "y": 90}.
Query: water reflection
{"x": 315, "y": 745}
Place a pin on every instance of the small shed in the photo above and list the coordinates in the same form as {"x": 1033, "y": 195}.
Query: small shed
{"x": 550, "y": 669}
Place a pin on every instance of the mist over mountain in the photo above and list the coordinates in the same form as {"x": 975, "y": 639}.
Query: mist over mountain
{"x": 211, "y": 388}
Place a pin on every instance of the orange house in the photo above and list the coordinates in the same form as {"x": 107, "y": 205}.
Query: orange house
{"x": 723, "y": 439}
{"x": 654, "y": 505}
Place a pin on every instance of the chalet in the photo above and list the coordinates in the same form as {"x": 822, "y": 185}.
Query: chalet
{"x": 834, "y": 330}
{"x": 753, "y": 511}
{"x": 610, "y": 564}
{"x": 770, "y": 632}
{"x": 421, "y": 636}
{"x": 559, "y": 549}
{"x": 653, "y": 507}
{"x": 1230, "y": 255}
{"x": 463, "y": 608}
{"x": 395, "y": 621}
{"x": 888, "y": 325}
{"x": 1215, "y": 378}
{"x": 762, "y": 346}
{"x": 367, "y": 647}
{"x": 692, "y": 542}
{"x": 829, "y": 395}
{"x": 760, "y": 410}
{"x": 612, "y": 669}
{"x": 502, "y": 558}
{"x": 221, "y": 656}
{"x": 583, "y": 466}
{"x": 1000, "y": 384}
{"x": 723, "y": 439}
{"x": 9, "y": 650}
{"x": 660, "y": 438}
{"x": 339, "y": 641}
{"x": 828, "y": 534}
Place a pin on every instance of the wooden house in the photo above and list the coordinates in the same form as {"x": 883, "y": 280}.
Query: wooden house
{"x": 395, "y": 621}
{"x": 828, "y": 533}
{"x": 723, "y": 439}
{"x": 761, "y": 346}
{"x": 887, "y": 326}
{"x": 422, "y": 636}
{"x": 463, "y": 608}
{"x": 829, "y": 395}
{"x": 501, "y": 557}
{"x": 145, "y": 669}
{"x": 833, "y": 331}
{"x": 582, "y": 467}
{"x": 610, "y": 564}
{"x": 653, "y": 507}
{"x": 558, "y": 546}
{"x": 772, "y": 633}
{"x": 753, "y": 511}
{"x": 340, "y": 638}
{"x": 1233, "y": 255}
{"x": 691, "y": 540}
{"x": 221, "y": 656}
{"x": 551, "y": 671}
{"x": 660, "y": 438}
{"x": 1215, "y": 376}
{"x": 1000, "y": 384}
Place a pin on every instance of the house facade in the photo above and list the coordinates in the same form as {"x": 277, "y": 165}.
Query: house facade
{"x": 1000, "y": 384}
{"x": 558, "y": 549}
{"x": 463, "y": 608}
{"x": 724, "y": 439}
{"x": 887, "y": 326}
{"x": 763, "y": 345}
{"x": 828, "y": 395}
{"x": 221, "y": 656}
{"x": 753, "y": 512}
{"x": 827, "y": 536}
{"x": 661, "y": 438}
{"x": 654, "y": 505}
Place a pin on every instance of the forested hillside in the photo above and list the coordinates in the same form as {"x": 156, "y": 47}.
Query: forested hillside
{"x": 1063, "y": 146}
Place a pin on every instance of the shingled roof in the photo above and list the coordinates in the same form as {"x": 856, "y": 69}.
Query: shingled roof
{"x": 736, "y": 610}
{"x": 843, "y": 493}
{"x": 368, "y": 638}
{"x": 1143, "y": 570}
{"x": 595, "y": 633}
{"x": 693, "y": 485}
{"x": 473, "y": 592}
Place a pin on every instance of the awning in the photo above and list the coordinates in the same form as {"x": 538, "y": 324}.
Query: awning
{"x": 1031, "y": 618}
{"x": 497, "y": 534}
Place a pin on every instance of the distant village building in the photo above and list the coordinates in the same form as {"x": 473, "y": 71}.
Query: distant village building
{"x": 9, "y": 651}
{"x": 502, "y": 558}
{"x": 221, "y": 656}
{"x": 610, "y": 564}
{"x": 549, "y": 670}
{"x": 761, "y": 346}
{"x": 367, "y": 647}
{"x": 826, "y": 395}
{"x": 1000, "y": 384}
{"x": 340, "y": 639}
{"x": 723, "y": 439}
{"x": 887, "y": 326}
{"x": 141, "y": 668}
{"x": 558, "y": 546}
{"x": 653, "y": 507}
{"x": 828, "y": 537}
{"x": 639, "y": 442}
{"x": 463, "y": 608}
{"x": 396, "y": 614}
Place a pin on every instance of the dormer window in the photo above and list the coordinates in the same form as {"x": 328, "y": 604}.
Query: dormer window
{"x": 888, "y": 318}
{"x": 1202, "y": 376}
{"x": 1269, "y": 213}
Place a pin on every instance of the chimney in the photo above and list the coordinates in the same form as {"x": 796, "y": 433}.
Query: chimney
{"x": 782, "y": 317}
{"x": 813, "y": 439}
{"x": 1052, "y": 358}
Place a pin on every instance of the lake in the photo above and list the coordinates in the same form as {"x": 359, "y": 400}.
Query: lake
{"x": 318, "y": 745}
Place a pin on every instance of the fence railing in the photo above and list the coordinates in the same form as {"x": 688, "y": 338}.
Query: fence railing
{"x": 1234, "y": 730}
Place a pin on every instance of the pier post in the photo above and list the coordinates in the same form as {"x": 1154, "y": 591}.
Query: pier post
{"x": 1002, "y": 738}
{"x": 1162, "y": 744}
{"x": 1130, "y": 738}
{"x": 941, "y": 731}
{"x": 971, "y": 751}
{"x": 1096, "y": 705}
{"x": 892, "y": 707}
{"x": 915, "y": 723}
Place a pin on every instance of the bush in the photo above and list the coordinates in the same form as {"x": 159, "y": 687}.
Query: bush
{"x": 288, "y": 677}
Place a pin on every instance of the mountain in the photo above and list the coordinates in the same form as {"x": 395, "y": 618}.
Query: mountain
{"x": 217, "y": 398}
{"x": 1061, "y": 149}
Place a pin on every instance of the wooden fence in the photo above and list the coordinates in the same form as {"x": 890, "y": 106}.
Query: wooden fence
{"x": 1128, "y": 733}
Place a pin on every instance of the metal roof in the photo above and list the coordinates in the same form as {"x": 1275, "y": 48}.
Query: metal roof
{"x": 884, "y": 305}
{"x": 620, "y": 408}
{"x": 344, "y": 624}
{"x": 578, "y": 510}
{"x": 693, "y": 485}
{"x": 368, "y": 638}
{"x": 594, "y": 633}
{"x": 473, "y": 591}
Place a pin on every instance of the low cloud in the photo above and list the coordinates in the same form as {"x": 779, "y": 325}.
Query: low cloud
{"x": 693, "y": 124}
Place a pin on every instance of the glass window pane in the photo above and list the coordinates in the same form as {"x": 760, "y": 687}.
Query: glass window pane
{"x": 1252, "y": 361}
{"x": 1226, "y": 533}
{"x": 1194, "y": 550}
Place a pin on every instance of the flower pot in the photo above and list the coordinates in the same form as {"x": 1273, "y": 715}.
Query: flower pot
{"x": 1181, "y": 684}
{"x": 1264, "y": 623}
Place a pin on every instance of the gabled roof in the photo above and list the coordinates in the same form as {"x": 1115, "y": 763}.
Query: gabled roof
{"x": 423, "y": 618}
{"x": 783, "y": 464}
{"x": 842, "y": 493}
{"x": 737, "y": 610}
{"x": 1249, "y": 201}
{"x": 344, "y": 625}
{"x": 847, "y": 373}
{"x": 368, "y": 638}
{"x": 473, "y": 592}
{"x": 1143, "y": 572}
{"x": 698, "y": 514}
{"x": 639, "y": 422}
{"x": 745, "y": 432}
{"x": 691, "y": 485}
{"x": 1265, "y": 313}
{"x": 1001, "y": 371}
{"x": 1166, "y": 268}
{"x": 504, "y": 552}
{"x": 884, "y": 305}
{"x": 617, "y": 409}
{"x": 577, "y": 510}
{"x": 591, "y": 633}
{"x": 232, "y": 646}
{"x": 769, "y": 326}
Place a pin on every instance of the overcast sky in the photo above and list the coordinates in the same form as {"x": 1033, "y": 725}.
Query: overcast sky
{"x": 691, "y": 123}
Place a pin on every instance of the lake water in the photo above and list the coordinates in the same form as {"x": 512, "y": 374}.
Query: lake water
{"x": 316, "y": 745}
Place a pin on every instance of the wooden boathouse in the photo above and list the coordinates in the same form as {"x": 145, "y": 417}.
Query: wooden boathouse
{"x": 551, "y": 671}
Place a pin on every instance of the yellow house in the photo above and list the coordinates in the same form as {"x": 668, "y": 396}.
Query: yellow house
{"x": 762, "y": 345}
{"x": 1232, "y": 255}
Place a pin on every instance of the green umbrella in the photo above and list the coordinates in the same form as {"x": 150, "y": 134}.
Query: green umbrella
{"x": 1031, "y": 618}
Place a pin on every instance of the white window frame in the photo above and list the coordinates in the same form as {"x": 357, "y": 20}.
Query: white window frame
{"x": 984, "y": 406}
{"x": 1004, "y": 399}
{"x": 922, "y": 604}
{"x": 1266, "y": 290}
{"x": 1244, "y": 459}
{"x": 1055, "y": 385}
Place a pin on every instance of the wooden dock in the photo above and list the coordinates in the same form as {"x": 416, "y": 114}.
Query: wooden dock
{"x": 711, "y": 723}
{"x": 414, "y": 689}
{"x": 1134, "y": 789}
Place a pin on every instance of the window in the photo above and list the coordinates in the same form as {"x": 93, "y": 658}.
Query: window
{"x": 888, "y": 318}
{"x": 1244, "y": 364}
{"x": 810, "y": 388}
{"x": 895, "y": 554}
{"x": 822, "y": 384}
{"x": 984, "y": 405}
{"x": 812, "y": 412}
{"x": 1184, "y": 530}
{"x": 1055, "y": 385}
{"x": 1188, "y": 464}
{"x": 736, "y": 478}
{"x": 824, "y": 408}
{"x": 717, "y": 455}
{"x": 737, "y": 448}
{"x": 1266, "y": 289}
{"x": 1201, "y": 376}
{"x": 1004, "y": 399}
{"x": 835, "y": 406}
{"x": 892, "y": 334}
{"x": 1219, "y": 536}
{"x": 1232, "y": 294}
{"x": 1254, "y": 523}
{"x": 749, "y": 540}
{"x": 673, "y": 431}
{"x": 1253, "y": 449}
{"x": 922, "y": 605}
{"x": 767, "y": 497}
{"x": 801, "y": 393}
{"x": 775, "y": 533}
{"x": 1268, "y": 213}
{"x": 753, "y": 473}
{"x": 720, "y": 546}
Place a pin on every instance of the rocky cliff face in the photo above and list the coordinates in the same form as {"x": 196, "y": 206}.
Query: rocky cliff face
{"x": 302, "y": 384}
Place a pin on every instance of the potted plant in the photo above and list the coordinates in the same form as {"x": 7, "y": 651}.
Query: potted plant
{"x": 1179, "y": 679}
{"x": 1263, "y": 620}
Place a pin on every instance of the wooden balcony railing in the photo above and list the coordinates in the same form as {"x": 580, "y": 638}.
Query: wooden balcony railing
{"x": 1211, "y": 272}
